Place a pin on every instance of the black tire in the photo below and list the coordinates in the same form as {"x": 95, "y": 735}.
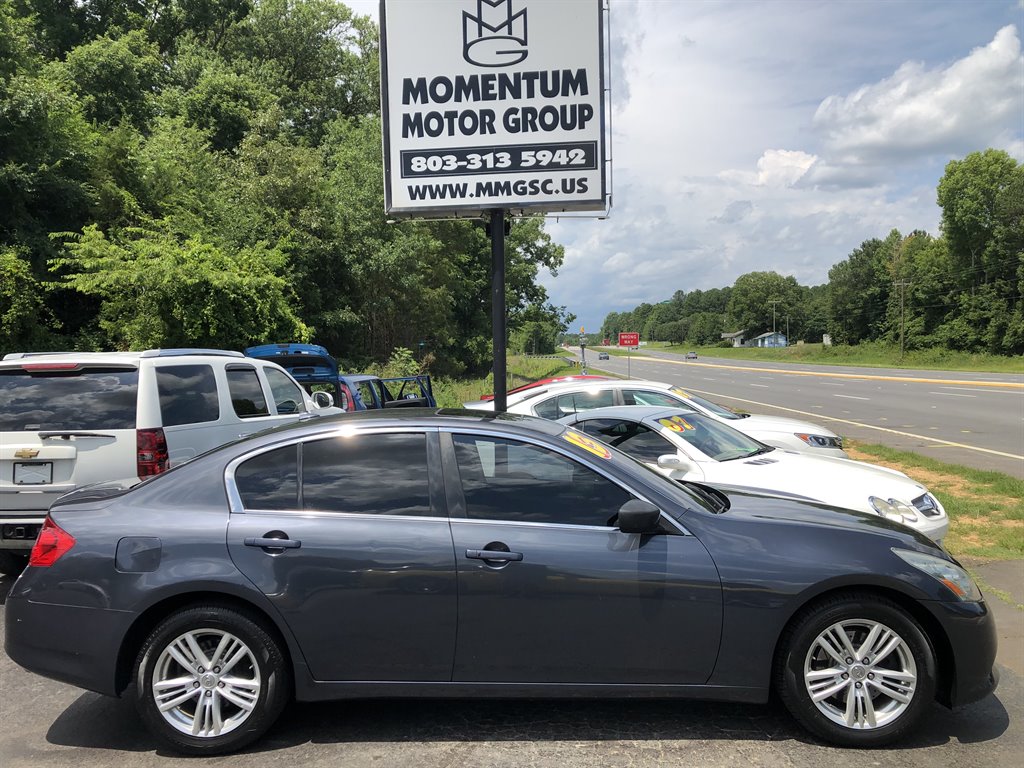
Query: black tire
{"x": 892, "y": 718}
{"x": 263, "y": 664}
{"x": 12, "y": 563}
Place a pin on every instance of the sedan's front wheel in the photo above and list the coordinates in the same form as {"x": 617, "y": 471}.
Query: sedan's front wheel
{"x": 857, "y": 670}
{"x": 210, "y": 680}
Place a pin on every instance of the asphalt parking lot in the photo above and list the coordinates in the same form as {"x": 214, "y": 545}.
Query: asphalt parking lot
{"x": 48, "y": 724}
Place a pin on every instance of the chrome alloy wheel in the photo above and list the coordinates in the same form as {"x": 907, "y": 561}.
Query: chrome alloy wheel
{"x": 860, "y": 674}
{"x": 206, "y": 683}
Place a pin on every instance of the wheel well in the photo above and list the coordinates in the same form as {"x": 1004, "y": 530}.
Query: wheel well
{"x": 945, "y": 662}
{"x": 152, "y": 616}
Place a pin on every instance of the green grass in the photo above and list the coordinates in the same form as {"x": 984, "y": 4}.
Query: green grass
{"x": 452, "y": 393}
{"x": 870, "y": 355}
{"x": 986, "y": 509}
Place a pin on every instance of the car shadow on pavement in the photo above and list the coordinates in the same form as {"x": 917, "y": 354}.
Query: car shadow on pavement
{"x": 101, "y": 722}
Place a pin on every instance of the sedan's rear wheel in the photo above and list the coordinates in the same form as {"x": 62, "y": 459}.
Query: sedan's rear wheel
{"x": 857, "y": 670}
{"x": 210, "y": 680}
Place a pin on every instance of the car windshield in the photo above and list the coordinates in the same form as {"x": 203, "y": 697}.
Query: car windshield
{"x": 715, "y": 440}
{"x": 707, "y": 405}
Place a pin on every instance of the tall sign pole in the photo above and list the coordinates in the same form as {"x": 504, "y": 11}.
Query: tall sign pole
{"x": 491, "y": 108}
{"x": 498, "y": 334}
{"x": 629, "y": 340}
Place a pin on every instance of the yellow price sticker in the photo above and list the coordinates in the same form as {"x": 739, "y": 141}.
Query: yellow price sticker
{"x": 587, "y": 444}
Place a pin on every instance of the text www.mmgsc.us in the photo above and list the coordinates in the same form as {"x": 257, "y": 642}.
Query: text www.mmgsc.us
{"x": 487, "y": 189}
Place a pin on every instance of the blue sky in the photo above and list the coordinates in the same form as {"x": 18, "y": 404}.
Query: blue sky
{"x": 780, "y": 135}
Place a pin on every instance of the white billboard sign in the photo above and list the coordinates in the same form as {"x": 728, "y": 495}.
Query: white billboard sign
{"x": 492, "y": 104}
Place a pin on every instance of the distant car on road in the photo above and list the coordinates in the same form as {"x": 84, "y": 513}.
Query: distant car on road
{"x": 686, "y": 445}
{"x": 602, "y": 355}
{"x": 691, "y": 356}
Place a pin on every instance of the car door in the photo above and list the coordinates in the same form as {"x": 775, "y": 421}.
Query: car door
{"x": 551, "y": 592}
{"x": 365, "y": 571}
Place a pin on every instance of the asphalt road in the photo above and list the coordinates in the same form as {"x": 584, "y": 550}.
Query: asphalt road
{"x": 966, "y": 418}
{"x": 51, "y": 725}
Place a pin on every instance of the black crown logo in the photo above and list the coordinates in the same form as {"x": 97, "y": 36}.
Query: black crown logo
{"x": 495, "y": 37}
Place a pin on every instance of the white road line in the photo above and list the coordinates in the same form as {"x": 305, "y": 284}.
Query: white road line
{"x": 833, "y": 383}
{"x": 852, "y": 397}
{"x": 950, "y": 394}
{"x": 948, "y": 443}
{"x": 763, "y": 386}
{"x": 994, "y": 391}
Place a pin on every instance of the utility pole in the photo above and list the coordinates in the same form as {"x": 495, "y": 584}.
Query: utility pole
{"x": 773, "y": 302}
{"x": 902, "y": 285}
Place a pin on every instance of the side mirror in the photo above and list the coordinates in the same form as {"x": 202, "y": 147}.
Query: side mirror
{"x": 323, "y": 399}
{"x": 637, "y": 516}
{"x": 674, "y": 462}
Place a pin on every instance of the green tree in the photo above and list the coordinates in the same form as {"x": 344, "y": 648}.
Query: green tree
{"x": 750, "y": 301}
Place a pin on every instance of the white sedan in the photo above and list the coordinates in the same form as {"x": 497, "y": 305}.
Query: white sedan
{"x": 686, "y": 445}
{"x": 558, "y": 400}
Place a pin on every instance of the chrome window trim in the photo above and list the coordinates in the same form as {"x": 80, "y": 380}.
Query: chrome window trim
{"x": 498, "y": 433}
{"x": 235, "y": 505}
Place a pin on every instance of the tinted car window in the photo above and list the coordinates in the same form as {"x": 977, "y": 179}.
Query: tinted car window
{"x": 367, "y": 474}
{"x": 574, "y": 402}
{"x": 629, "y": 436}
{"x": 519, "y": 482}
{"x": 87, "y": 398}
{"x": 188, "y": 394}
{"x": 270, "y": 480}
{"x": 647, "y": 397}
{"x": 286, "y": 393}
{"x": 246, "y": 393}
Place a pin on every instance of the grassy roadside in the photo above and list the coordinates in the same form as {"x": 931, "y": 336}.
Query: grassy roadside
{"x": 452, "y": 393}
{"x": 986, "y": 509}
{"x": 870, "y": 355}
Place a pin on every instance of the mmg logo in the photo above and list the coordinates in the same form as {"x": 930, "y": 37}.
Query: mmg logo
{"x": 495, "y": 37}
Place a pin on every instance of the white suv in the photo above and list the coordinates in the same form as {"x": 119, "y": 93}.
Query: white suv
{"x": 70, "y": 419}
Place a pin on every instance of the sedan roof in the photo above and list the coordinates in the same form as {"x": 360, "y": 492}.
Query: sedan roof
{"x": 626, "y": 412}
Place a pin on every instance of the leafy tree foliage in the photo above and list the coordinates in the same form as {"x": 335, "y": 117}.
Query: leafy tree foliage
{"x": 208, "y": 173}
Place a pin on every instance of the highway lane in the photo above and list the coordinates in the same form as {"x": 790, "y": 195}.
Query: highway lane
{"x": 968, "y": 418}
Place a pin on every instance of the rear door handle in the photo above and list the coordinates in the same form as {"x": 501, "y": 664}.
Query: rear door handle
{"x": 494, "y": 554}
{"x": 270, "y": 543}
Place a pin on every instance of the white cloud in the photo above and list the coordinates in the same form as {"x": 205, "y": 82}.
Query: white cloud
{"x": 920, "y": 111}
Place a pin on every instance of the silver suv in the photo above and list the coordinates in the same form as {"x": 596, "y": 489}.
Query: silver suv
{"x": 71, "y": 419}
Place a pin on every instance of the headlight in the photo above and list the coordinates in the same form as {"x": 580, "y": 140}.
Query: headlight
{"x": 893, "y": 509}
{"x": 821, "y": 441}
{"x": 957, "y": 579}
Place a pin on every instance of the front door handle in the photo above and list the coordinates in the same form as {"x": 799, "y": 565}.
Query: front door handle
{"x": 268, "y": 542}
{"x": 494, "y": 554}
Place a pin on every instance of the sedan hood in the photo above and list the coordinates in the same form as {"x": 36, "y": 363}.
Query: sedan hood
{"x": 750, "y": 505}
{"x": 758, "y": 423}
{"x": 839, "y": 482}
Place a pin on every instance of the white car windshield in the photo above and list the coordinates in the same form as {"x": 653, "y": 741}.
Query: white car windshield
{"x": 708, "y": 436}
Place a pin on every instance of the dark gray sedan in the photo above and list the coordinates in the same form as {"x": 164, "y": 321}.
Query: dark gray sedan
{"x": 450, "y": 553}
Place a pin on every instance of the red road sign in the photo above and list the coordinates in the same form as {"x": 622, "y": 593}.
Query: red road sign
{"x": 629, "y": 339}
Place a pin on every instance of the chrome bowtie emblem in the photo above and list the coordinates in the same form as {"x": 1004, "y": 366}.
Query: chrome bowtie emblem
{"x": 26, "y": 453}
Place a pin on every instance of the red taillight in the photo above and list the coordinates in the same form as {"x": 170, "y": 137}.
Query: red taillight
{"x": 151, "y": 452}
{"x": 51, "y": 545}
{"x": 49, "y": 366}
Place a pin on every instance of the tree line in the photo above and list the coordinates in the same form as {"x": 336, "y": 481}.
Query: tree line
{"x": 962, "y": 290}
{"x": 209, "y": 173}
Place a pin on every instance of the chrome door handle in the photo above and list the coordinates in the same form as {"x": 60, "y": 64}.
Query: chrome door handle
{"x": 494, "y": 554}
{"x": 265, "y": 542}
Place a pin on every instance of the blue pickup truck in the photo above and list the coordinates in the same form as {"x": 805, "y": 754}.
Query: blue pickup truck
{"x": 315, "y": 369}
